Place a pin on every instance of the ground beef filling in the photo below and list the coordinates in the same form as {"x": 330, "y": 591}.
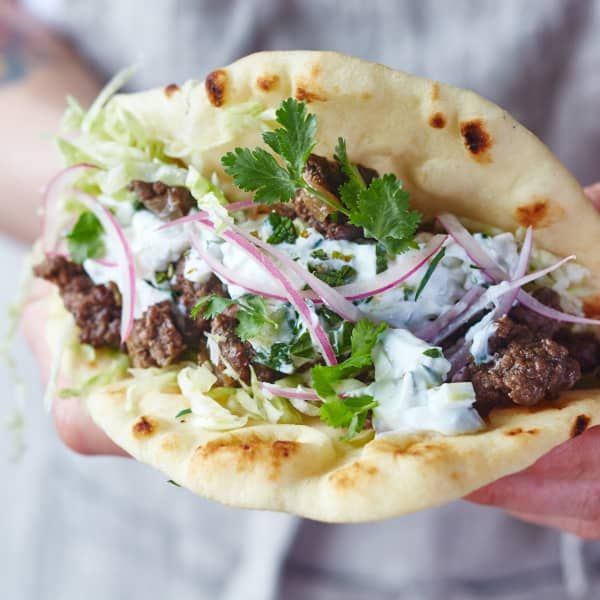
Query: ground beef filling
{"x": 525, "y": 374}
{"x": 325, "y": 176}
{"x": 235, "y": 353}
{"x": 189, "y": 294}
{"x": 154, "y": 340}
{"x": 534, "y": 358}
{"x": 166, "y": 202}
{"x": 96, "y": 308}
{"x": 162, "y": 334}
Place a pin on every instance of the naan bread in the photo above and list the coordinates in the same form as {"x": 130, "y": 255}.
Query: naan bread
{"x": 456, "y": 152}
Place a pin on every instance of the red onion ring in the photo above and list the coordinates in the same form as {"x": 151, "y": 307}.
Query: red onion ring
{"x": 397, "y": 274}
{"x": 293, "y": 296}
{"x": 546, "y": 311}
{"x": 125, "y": 260}
{"x": 51, "y": 195}
{"x": 217, "y": 267}
{"x": 287, "y": 392}
{"x": 474, "y": 251}
{"x": 431, "y": 330}
{"x": 330, "y": 296}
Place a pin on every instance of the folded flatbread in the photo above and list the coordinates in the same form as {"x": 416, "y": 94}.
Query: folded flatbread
{"x": 455, "y": 375}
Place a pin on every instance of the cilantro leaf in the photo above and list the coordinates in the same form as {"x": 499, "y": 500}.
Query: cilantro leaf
{"x": 85, "y": 239}
{"x": 252, "y": 314}
{"x": 283, "y": 229}
{"x": 332, "y": 276}
{"x": 381, "y": 208}
{"x": 364, "y": 336}
{"x": 349, "y": 412}
{"x": 210, "y": 306}
{"x": 257, "y": 171}
{"x": 295, "y": 139}
{"x": 382, "y": 211}
{"x": 351, "y": 189}
{"x": 430, "y": 269}
{"x": 252, "y": 317}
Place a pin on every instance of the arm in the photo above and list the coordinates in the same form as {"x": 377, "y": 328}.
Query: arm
{"x": 37, "y": 71}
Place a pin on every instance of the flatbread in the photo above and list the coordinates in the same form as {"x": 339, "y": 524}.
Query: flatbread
{"x": 456, "y": 152}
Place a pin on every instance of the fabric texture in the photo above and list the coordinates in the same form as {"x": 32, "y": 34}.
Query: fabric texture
{"x": 116, "y": 530}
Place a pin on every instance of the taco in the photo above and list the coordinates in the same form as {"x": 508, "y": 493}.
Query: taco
{"x": 317, "y": 285}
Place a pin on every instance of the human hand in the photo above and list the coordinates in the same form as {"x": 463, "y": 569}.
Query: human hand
{"x": 73, "y": 425}
{"x": 562, "y": 489}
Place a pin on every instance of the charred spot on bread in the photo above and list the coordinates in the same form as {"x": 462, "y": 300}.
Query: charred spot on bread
{"x": 477, "y": 139}
{"x": 580, "y": 425}
{"x": 215, "y": 84}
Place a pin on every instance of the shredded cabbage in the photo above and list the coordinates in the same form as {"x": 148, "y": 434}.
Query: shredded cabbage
{"x": 194, "y": 383}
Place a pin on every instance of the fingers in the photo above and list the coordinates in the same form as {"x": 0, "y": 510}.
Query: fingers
{"x": 77, "y": 430}
{"x": 562, "y": 489}
{"x": 593, "y": 193}
{"x": 73, "y": 425}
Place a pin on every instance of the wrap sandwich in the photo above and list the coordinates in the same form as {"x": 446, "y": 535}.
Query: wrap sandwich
{"x": 317, "y": 285}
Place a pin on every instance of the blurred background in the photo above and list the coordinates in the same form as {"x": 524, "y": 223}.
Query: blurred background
{"x": 107, "y": 528}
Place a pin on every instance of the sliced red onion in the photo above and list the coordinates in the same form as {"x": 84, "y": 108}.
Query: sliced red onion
{"x": 125, "y": 259}
{"x": 507, "y": 301}
{"x": 458, "y": 358}
{"x": 293, "y": 296}
{"x": 104, "y": 262}
{"x": 330, "y": 296}
{"x": 394, "y": 275}
{"x": 492, "y": 295}
{"x": 51, "y": 195}
{"x": 432, "y": 329}
{"x": 242, "y": 205}
{"x": 337, "y": 299}
{"x": 236, "y": 278}
{"x": 474, "y": 250}
{"x": 299, "y": 393}
{"x": 194, "y": 217}
{"x": 546, "y": 311}
{"x": 506, "y": 286}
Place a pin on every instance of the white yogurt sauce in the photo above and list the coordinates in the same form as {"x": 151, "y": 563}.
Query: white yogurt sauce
{"x": 409, "y": 390}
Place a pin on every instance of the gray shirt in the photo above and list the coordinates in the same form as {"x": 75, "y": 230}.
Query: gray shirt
{"x": 112, "y": 529}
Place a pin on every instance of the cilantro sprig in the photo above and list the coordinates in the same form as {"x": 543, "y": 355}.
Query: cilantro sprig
{"x": 85, "y": 239}
{"x": 350, "y": 412}
{"x": 380, "y": 208}
{"x": 252, "y": 314}
{"x": 259, "y": 172}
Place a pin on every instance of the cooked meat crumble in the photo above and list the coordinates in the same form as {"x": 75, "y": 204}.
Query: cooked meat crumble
{"x": 189, "y": 295}
{"x": 525, "y": 373}
{"x": 154, "y": 340}
{"x": 166, "y": 202}
{"x": 96, "y": 308}
{"x": 325, "y": 176}
{"x": 239, "y": 355}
